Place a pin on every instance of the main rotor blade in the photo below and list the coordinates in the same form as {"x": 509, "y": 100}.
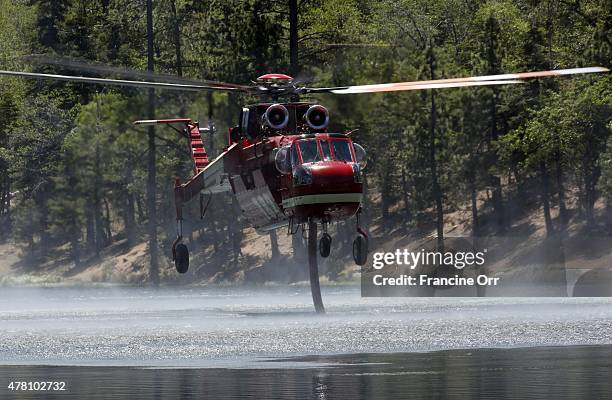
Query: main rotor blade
{"x": 82, "y": 66}
{"x": 122, "y": 82}
{"x": 453, "y": 82}
{"x": 397, "y": 87}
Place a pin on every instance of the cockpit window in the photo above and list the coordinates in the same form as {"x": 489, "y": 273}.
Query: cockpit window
{"x": 326, "y": 151}
{"x": 294, "y": 157}
{"x": 342, "y": 150}
{"x": 282, "y": 160}
{"x": 309, "y": 151}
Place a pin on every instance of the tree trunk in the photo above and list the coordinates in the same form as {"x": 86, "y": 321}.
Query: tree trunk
{"x": 474, "y": 201}
{"x": 608, "y": 219}
{"x": 90, "y": 229}
{"x": 74, "y": 248}
{"x": 3, "y": 195}
{"x": 545, "y": 198}
{"x": 178, "y": 51}
{"x": 365, "y": 186}
{"x": 44, "y": 223}
{"x": 493, "y": 66}
{"x": 235, "y": 229}
{"x": 299, "y": 250}
{"x": 128, "y": 213}
{"x": 177, "y": 38}
{"x": 212, "y": 151}
{"x": 213, "y": 223}
{"x": 274, "y": 244}
{"x": 591, "y": 176}
{"x": 498, "y": 202}
{"x": 294, "y": 65}
{"x": 107, "y": 222}
{"x": 437, "y": 192}
{"x": 563, "y": 216}
{"x": 8, "y": 204}
{"x": 589, "y": 199}
{"x": 128, "y": 219}
{"x": 151, "y": 161}
{"x": 140, "y": 209}
{"x": 406, "y": 193}
{"x": 386, "y": 191}
{"x": 520, "y": 184}
{"x": 105, "y": 4}
{"x": 5, "y": 206}
{"x": 100, "y": 239}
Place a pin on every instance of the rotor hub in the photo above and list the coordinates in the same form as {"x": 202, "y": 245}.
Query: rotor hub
{"x": 272, "y": 79}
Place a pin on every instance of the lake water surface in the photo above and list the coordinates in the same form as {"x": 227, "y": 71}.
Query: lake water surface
{"x": 111, "y": 342}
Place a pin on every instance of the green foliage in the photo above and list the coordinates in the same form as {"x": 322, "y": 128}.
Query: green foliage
{"x": 605, "y": 183}
{"x": 78, "y": 165}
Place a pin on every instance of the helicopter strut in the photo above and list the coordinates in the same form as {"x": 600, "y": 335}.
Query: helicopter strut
{"x": 315, "y": 288}
{"x": 360, "y": 244}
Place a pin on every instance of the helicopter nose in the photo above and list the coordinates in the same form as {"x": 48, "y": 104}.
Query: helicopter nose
{"x": 335, "y": 175}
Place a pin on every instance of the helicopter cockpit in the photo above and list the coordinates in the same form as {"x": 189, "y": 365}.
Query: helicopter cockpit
{"x": 316, "y": 149}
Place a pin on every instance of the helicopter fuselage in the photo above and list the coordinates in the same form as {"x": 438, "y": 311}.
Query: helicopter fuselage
{"x": 283, "y": 168}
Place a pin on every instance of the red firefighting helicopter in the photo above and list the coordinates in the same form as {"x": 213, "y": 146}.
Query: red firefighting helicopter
{"x": 281, "y": 162}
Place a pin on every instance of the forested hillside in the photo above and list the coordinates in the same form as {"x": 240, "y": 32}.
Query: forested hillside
{"x": 74, "y": 170}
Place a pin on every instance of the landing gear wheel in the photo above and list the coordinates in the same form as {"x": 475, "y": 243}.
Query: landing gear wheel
{"x": 181, "y": 261}
{"x": 360, "y": 249}
{"x": 325, "y": 245}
